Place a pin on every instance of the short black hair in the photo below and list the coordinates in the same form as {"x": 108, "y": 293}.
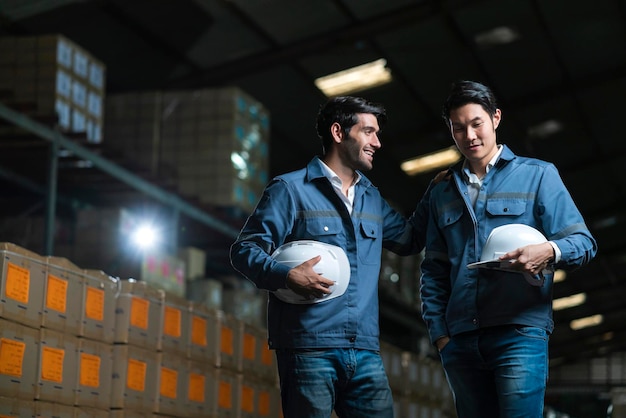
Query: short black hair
{"x": 463, "y": 92}
{"x": 343, "y": 110}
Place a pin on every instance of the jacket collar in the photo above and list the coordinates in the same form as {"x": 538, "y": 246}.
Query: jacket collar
{"x": 314, "y": 171}
{"x": 506, "y": 156}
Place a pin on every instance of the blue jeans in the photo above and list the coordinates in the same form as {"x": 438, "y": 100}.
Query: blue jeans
{"x": 498, "y": 372}
{"x": 353, "y": 382}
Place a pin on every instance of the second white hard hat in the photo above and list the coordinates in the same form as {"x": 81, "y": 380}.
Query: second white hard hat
{"x": 507, "y": 238}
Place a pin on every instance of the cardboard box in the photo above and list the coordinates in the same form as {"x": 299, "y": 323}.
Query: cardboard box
{"x": 22, "y": 284}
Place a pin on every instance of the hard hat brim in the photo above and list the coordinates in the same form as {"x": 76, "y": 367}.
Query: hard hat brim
{"x": 504, "y": 265}
{"x": 495, "y": 264}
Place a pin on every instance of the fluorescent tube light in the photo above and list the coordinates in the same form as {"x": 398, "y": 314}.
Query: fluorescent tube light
{"x": 559, "y": 276}
{"x": 585, "y": 322}
{"x": 607, "y": 222}
{"x": 569, "y": 301}
{"x": 433, "y": 161}
{"x": 545, "y": 129}
{"x": 355, "y": 79}
{"x": 497, "y": 36}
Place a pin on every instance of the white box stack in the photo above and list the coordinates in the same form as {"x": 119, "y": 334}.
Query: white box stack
{"x": 215, "y": 142}
{"x": 51, "y": 74}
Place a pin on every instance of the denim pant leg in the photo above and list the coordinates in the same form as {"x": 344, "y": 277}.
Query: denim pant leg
{"x": 471, "y": 383}
{"x": 307, "y": 382}
{"x": 366, "y": 393}
{"x": 353, "y": 382}
{"x": 498, "y": 373}
{"x": 521, "y": 370}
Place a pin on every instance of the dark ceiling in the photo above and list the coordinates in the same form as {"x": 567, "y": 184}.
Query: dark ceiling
{"x": 568, "y": 64}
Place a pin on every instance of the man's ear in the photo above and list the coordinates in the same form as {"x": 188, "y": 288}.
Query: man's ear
{"x": 497, "y": 117}
{"x": 337, "y": 132}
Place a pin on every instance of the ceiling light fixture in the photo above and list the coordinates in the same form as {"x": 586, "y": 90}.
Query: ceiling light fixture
{"x": 433, "y": 161}
{"x": 559, "y": 276}
{"x": 569, "y": 301}
{"x": 545, "y": 129}
{"x": 497, "y": 36}
{"x": 588, "y": 321}
{"x": 355, "y": 79}
{"x": 607, "y": 222}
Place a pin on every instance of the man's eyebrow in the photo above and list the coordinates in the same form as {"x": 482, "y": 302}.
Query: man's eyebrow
{"x": 477, "y": 118}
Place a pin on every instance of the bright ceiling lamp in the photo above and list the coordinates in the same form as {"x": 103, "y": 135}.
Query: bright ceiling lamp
{"x": 588, "y": 321}
{"x": 559, "y": 276}
{"x": 145, "y": 236}
{"x": 569, "y": 301}
{"x": 433, "y": 161}
{"x": 355, "y": 79}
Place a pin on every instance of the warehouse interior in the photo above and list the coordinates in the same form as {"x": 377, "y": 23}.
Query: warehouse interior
{"x": 558, "y": 69}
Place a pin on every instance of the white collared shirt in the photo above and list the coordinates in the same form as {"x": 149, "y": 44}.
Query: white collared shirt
{"x": 338, "y": 184}
{"x": 473, "y": 182}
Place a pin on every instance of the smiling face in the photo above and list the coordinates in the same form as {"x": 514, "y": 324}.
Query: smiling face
{"x": 474, "y": 133}
{"x": 356, "y": 149}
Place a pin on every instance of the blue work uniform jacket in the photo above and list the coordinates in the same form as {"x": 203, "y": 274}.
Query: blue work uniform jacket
{"x": 302, "y": 205}
{"x": 521, "y": 190}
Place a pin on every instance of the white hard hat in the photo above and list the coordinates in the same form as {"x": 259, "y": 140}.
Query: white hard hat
{"x": 334, "y": 266}
{"x": 507, "y": 238}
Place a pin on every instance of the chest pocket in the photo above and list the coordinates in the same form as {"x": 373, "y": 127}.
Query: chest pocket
{"x": 449, "y": 217}
{"x": 323, "y": 227}
{"x": 370, "y": 245}
{"x": 502, "y": 207}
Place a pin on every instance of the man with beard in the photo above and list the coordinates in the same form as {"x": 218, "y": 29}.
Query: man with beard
{"x": 328, "y": 352}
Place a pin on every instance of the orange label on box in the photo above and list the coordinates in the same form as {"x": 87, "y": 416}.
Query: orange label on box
{"x": 136, "y": 375}
{"x": 196, "y": 387}
{"x": 267, "y": 356}
{"x": 225, "y": 396}
{"x": 171, "y": 322}
{"x": 139, "y": 308}
{"x": 11, "y": 357}
{"x": 247, "y": 399}
{"x": 89, "y": 370}
{"x": 18, "y": 283}
{"x": 52, "y": 364}
{"x": 94, "y": 304}
{"x": 226, "y": 342}
{"x": 169, "y": 382}
{"x": 56, "y": 294}
{"x": 198, "y": 331}
{"x": 264, "y": 403}
{"x": 249, "y": 347}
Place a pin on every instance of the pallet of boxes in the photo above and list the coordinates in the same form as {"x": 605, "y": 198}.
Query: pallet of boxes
{"x": 55, "y": 81}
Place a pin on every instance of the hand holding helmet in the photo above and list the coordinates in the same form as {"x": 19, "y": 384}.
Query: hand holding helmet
{"x": 308, "y": 283}
{"x": 532, "y": 258}
{"x": 517, "y": 247}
